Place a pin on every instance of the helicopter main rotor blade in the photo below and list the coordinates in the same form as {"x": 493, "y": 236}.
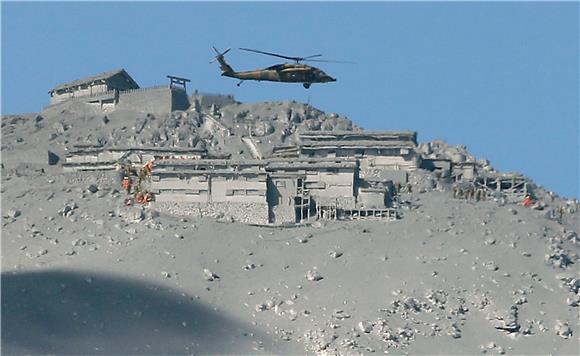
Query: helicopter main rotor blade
{"x": 312, "y": 56}
{"x": 271, "y": 54}
{"x": 329, "y": 61}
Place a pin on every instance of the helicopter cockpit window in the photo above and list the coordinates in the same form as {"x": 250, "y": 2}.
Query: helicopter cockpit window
{"x": 275, "y": 67}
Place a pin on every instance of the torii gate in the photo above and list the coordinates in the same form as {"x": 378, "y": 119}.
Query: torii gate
{"x": 177, "y": 82}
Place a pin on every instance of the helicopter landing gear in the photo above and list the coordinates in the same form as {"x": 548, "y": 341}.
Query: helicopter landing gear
{"x": 240, "y": 82}
{"x": 306, "y": 85}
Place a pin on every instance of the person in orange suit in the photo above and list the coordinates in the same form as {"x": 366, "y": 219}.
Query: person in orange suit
{"x": 528, "y": 201}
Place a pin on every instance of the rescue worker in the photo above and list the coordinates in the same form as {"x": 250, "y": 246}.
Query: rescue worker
{"x": 126, "y": 184}
{"x": 528, "y": 201}
{"x": 139, "y": 199}
{"x": 398, "y": 187}
{"x": 469, "y": 194}
{"x": 148, "y": 167}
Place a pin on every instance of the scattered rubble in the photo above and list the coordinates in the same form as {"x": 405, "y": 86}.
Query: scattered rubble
{"x": 313, "y": 275}
{"x": 209, "y": 275}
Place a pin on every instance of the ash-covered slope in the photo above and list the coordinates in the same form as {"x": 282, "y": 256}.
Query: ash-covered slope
{"x": 27, "y": 138}
{"x": 83, "y": 273}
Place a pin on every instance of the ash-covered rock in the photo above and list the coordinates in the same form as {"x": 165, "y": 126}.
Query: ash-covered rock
{"x": 314, "y": 275}
{"x": 209, "y": 276}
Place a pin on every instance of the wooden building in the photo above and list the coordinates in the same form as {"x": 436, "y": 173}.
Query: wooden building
{"x": 105, "y": 85}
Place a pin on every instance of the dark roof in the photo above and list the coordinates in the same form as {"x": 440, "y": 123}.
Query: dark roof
{"x": 358, "y": 135}
{"x": 80, "y": 149}
{"x": 357, "y": 144}
{"x": 105, "y": 75}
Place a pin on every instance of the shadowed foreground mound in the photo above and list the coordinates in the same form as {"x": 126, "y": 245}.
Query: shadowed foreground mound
{"x": 65, "y": 312}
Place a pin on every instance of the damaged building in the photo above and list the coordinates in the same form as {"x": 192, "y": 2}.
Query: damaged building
{"x": 383, "y": 155}
{"x": 266, "y": 165}
{"x": 212, "y": 188}
{"x": 328, "y": 175}
{"x": 275, "y": 191}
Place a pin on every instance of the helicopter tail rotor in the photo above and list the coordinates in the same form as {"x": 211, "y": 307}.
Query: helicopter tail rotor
{"x": 218, "y": 54}
{"x": 226, "y": 69}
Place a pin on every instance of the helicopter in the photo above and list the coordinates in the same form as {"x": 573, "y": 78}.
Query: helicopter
{"x": 285, "y": 72}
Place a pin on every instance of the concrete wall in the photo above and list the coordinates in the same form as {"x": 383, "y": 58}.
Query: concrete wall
{"x": 179, "y": 100}
{"x": 464, "y": 172}
{"x": 198, "y": 188}
{"x": 385, "y": 174}
{"x": 339, "y": 184}
{"x": 394, "y": 158}
{"x": 154, "y": 100}
{"x": 406, "y": 162}
{"x": 149, "y": 100}
{"x": 371, "y": 199}
{"x": 234, "y": 190}
{"x": 176, "y": 183}
{"x": 281, "y": 192}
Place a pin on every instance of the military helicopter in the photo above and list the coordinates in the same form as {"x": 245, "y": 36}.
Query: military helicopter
{"x": 285, "y": 72}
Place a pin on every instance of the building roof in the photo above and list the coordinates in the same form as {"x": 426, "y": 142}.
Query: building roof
{"x": 312, "y": 160}
{"x": 213, "y": 172}
{"x": 85, "y": 149}
{"x": 178, "y": 163}
{"x": 357, "y": 144}
{"x": 309, "y": 165}
{"x": 101, "y": 76}
{"x": 359, "y": 135}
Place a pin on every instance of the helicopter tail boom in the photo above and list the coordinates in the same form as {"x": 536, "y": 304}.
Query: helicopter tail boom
{"x": 226, "y": 69}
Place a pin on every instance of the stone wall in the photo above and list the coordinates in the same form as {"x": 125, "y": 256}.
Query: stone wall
{"x": 249, "y": 213}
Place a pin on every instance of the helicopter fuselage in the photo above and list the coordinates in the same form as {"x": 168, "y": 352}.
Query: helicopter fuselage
{"x": 286, "y": 72}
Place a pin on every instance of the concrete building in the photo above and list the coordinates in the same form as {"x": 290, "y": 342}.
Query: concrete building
{"x": 277, "y": 191}
{"x": 384, "y": 149}
{"x": 237, "y": 189}
{"x": 301, "y": 188}
{"x": 388, "y": 155}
